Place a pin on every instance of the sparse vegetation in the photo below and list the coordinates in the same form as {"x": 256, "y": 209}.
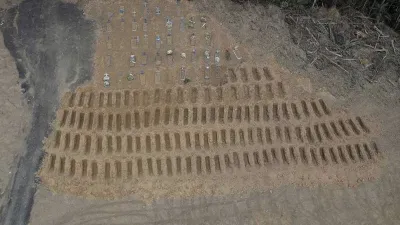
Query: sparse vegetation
{"x": 352, "y": 36}
{"x": 387, "y": 11}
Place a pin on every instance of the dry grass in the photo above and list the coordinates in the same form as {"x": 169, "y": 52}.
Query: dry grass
{"x": 349, "y": 41}
{"x": 387, "y": 11}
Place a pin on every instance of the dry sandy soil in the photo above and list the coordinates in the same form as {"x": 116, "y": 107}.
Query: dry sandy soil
{"x": 5, "y": 4}
{"x": 14, "y": 115}
{"x": 14, "y": 119}
{"x": 363, "y": 192}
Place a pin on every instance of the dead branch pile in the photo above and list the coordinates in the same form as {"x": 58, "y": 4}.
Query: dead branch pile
{"x": 347, "y": 40}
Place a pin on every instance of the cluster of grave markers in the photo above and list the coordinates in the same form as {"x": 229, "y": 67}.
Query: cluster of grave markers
{"x": 138, "y": 60}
